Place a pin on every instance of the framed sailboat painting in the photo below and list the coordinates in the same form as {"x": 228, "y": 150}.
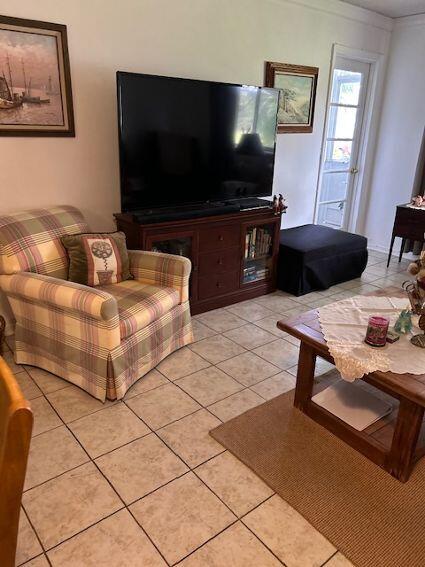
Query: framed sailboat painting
{"x": 35, "y": 79}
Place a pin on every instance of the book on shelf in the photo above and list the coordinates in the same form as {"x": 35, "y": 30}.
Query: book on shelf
{"x": 257, "y": 243}
{"x": 252, "y": 273}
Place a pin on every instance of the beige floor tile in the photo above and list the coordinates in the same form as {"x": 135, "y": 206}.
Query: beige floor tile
{"x": 235, "y": 547}
{"x": 39, "y": 561}
{"x": 276, "y": 302}
{"x": 28, "y": 545}
{"x": 221, "y": 320}
{"x": 294, "y": 311}
{"x": 115, "y": 541}
{"x": 322, "y": 367}
{"x": 181, "y": 516}
{"x": 190, "y": 439}
{"x": 310, "y": 297}
{"x": 338, "y": 560}
{"x": 209, "y": 385}
{"x": 288, "y": 535}
{"x": 62, "y": 507}
{"x": 269, "y": 324}
{"x": 280, "y": 353}
{"x": 216, "y": 349}
{"x": 52, "y": 453}
{"x": 250, "y": 310}
{"x": 250, "y": 336}
{"x": 234, "y": 483}
{"x": 162, "y": 405}
{"x": 10, "y": 359}
{"x": 201, "y": 331}
{"x": 248, "y": 368}
{"x": 275, "y": 385}
{"x": 324, "y": 301}
{"x": 181, "y": 363}
{"x": 140, "y": 467}
{"x": 45, "y": 417}
{"x": 149, "y": 381}
{"x": 108, "y": 429}
{"x": 46, "y": 381}
{"x": 235, "y": 404}
{"x": 72, "y": 403}
{"x": 29, "y": 388}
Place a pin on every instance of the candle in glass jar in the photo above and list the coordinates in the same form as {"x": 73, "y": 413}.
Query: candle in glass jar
{"x": 377, "y": 329}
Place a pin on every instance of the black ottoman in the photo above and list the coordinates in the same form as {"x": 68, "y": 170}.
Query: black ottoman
{"x": 313, "y": 257}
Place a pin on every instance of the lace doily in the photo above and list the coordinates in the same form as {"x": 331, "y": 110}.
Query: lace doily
{"x": 344, "y": 326}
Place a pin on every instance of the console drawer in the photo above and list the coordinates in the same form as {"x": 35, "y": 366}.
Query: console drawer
{"x": 218, "y": 262}
{"x": 219, "y": 237}
{"x": 212, "y": 285}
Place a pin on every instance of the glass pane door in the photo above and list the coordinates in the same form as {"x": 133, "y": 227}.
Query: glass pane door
{"x": 341, "y": 146}
{"x": 258, "y": 255}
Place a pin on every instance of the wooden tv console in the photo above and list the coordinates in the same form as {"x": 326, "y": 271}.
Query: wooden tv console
{"x": 234, "y": 255}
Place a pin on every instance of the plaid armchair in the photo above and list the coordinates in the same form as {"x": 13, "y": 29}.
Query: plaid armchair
{"x": 102, "y": 339}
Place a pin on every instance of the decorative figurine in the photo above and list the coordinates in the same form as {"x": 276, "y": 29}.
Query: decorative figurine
{"x": 417, "y": 269}
{"x": 275, "y": 205}
{"x": 403, "y": 324}
{"x": 419, "y": 340}
{"x": 282, "y": 206}
{"x": 418, "y": 201}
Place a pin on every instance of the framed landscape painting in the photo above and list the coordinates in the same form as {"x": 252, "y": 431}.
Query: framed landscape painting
{"x": 35, "y": 81}
{"x": 297, "y": 86}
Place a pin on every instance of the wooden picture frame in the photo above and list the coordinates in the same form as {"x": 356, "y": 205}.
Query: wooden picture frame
{"x": 35, "y": 79}
{"x": 298, "y": 86}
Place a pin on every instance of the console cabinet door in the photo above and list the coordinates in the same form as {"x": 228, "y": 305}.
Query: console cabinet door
{"x": 260, "y": 245}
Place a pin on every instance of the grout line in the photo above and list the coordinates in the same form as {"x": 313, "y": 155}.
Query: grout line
{"x": 329, "y": 558}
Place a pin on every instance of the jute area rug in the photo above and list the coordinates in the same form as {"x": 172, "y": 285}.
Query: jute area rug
{"x": 372, "y": 518}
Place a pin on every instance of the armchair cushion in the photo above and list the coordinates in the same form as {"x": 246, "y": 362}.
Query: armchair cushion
{"x": 140, "y": 304}
{"x": 165, "y": 270}
{"x": 83, "y": 300}
{"x": 97, "y": 258}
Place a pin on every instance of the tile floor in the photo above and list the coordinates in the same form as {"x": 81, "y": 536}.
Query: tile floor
{"x": 141, "y": 483}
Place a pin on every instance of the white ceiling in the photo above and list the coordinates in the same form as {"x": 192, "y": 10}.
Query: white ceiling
{"x": 392, "y": 8}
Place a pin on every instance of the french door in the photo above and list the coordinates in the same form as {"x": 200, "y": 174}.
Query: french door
{"x": 340, "y": 165}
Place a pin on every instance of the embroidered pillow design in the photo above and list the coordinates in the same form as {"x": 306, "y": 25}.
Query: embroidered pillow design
{"x": 97, "y": 259}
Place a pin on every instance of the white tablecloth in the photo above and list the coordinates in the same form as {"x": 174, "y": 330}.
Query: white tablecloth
{"x": 344, "y": 325}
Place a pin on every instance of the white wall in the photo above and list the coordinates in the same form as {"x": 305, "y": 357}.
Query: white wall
{"x": 401, "y": 130}
{"x": 226, "y": 40}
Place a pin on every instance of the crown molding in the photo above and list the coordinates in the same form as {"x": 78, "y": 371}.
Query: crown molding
{"x": 409, "y": 21}
{"x": 344, "y": 10}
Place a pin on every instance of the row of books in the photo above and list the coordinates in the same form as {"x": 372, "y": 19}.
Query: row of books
{"x": 257, "y": 243}
{"x": 252, "y": 273}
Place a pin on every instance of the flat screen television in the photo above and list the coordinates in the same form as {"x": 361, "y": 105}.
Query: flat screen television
{"x": 186, "y": 141}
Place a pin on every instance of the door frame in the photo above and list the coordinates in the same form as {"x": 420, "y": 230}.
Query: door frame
{"x": 367, "y": 133}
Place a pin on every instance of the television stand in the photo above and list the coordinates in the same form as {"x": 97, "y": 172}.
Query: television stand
{"x": 234, "y": 254}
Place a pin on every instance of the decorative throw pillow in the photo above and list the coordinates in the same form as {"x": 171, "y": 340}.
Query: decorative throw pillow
{"x": 97, "y": 258}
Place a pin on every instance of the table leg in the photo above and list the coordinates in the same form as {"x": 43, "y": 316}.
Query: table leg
{"x": 400, "y": 459}
{"x": 403, "y": 242}
{"x": 305, "y": 376}
{"x": 391, "y": 249}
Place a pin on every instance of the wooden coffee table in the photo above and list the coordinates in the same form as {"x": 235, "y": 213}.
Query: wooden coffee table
{"x": 395, "y": 442}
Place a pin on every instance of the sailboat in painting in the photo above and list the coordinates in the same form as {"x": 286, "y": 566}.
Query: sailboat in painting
{"x": 26, "y": 94}
{"x": 7, "y": 101}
